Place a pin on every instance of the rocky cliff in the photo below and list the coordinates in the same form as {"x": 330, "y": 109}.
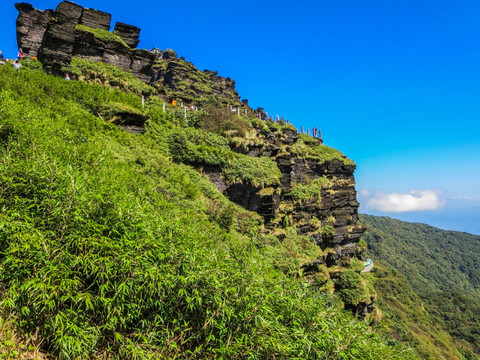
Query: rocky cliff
{"x": 316, "y": 191}
{"x": 57, "y": 36}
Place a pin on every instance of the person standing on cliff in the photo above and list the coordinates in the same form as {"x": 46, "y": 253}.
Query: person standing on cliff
{"x": 20, "y": 54}
{"x": 17, "y": 65}
{"x": 2, "y": 58}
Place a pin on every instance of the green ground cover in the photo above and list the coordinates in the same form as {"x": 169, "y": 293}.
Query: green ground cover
{"x": 111, "y": 247}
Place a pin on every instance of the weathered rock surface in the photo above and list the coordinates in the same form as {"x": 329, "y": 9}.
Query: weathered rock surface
{"x": 96, "y": 19}
{"x": 87, "y": 46}
{"x": 31, "y": 27}
{"x": 57, "y": 45}
{"x": 141, "y": 65}
{"x": 129, "y": 33}
{"x": 329, "y": 218}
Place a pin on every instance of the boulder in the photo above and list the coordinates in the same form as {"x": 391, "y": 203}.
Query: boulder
{"x": 142, "y": 62}
{"x": 31, "y": 26}
{"x": 129, "y": 33}
{"x": 96, "y": 19}
{"x": 58, "y": 43}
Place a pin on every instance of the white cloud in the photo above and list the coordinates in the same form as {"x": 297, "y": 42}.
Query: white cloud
{"x": 415, "y": 200}
{"x": 469, "y": 198}
{"x": 365, "y": 192}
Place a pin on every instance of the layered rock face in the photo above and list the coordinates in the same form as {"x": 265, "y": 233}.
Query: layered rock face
{"x": 31, "y": 27}
{"x": 327, "y": 211}
{"x": 72, "y": 31}
{"x": 58, "y": 41}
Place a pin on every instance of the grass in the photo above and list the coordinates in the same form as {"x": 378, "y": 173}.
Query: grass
{"x": 103, "y": 35}
{"x": 16, "y": 347}
{"x": 112, "y": 248}
{"x": 260, "y": 172}
{"x": 309, "y": 190}
{"x": 107, "y": 75}
{"x": 305, "y": 148}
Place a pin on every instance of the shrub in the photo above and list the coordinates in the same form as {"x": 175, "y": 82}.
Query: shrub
{"x": 222, "y": 121}
{"x": 178, "y": 146}
{"x": 350, "y": 288}
{"x": 309, "y": 189}
{"x": 307, "y": 149}
{"x": 327, "y": 231}
{"x": 260, "y": 172}
{"x": 109, "y": 75}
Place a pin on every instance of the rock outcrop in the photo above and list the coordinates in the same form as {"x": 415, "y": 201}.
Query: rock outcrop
{"x": 31, "y": 27}
{"x": 129, "y": 33}
{"x": 71, "y": 31}
{"x": 95, "y": 19}
{"x": 326, "y": 212}
{"x": 58, "y": 42}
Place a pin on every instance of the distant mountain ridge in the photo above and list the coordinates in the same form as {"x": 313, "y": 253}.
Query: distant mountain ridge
{"x": 443, "y": 268}
{"x": 432, "y": 258}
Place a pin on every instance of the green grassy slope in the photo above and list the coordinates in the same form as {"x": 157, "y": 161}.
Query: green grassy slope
{"x": 441, "y": 266}
{"x": 111, "y": 248}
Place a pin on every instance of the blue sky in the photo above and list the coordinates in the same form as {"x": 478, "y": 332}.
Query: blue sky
{"x": 393, "y": 85}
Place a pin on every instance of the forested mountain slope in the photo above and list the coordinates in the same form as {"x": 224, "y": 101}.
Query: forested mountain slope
{"x": 443, "y": 267}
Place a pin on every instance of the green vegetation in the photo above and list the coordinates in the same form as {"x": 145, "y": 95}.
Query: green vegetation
{"x": 268, "y": 127}
{"x": 405, "y": 318}
{"x": 307, "y": 139}
{"x": 109, "y": 75}
{"x": 303, "y": 147}
{"x": 442, "y": 267}
{"x": 118, "y": 112}
{"x": 289, "y": 254}
{"x": 112, "y": 246}
{"x": 352, "y": 288}
{"x": 430, "y": 258}
{"x": 309, "y": 190}
{"x": 327, "y": 230}
{"x": 192, "y": 85}
{"x": 458, "y": 313}
{"x": 102, "y": 35}
{"x": 14, "y": 348}
{"x": 223, "y": 122}
{"x": 259, "y": 172}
